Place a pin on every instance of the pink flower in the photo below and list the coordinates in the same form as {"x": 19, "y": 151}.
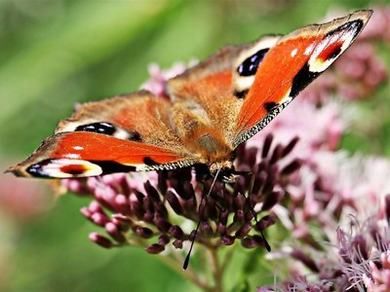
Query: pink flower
{"x": 158, "y": 78}
{"x": 357, "y": 260}
{"x": 378, "y": 278}
{"x": 378, "y": 26}
{"x": 360, "y": 72}
{"x": 318, "y": 127}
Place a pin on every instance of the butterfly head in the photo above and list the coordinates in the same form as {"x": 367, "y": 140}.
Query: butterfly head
{"x": 224, "y": 169}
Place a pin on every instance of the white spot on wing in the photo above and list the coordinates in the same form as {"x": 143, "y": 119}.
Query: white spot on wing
{"x": 121, "y": 134}
{"x": 73, "y": 156}
{"x": 309, "y": 49}
{"x": 294, "y": 52}
{"x": 244, "y": 82}
{"x": 346, "y": 37}
{"x": 53, "y": 169}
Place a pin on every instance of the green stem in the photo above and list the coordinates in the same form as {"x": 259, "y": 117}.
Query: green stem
{"x": 188, "y": 274}
{"x": 228, "y": 257}
{"x": 176, "y": 265}
{"x": 217, "y": 270}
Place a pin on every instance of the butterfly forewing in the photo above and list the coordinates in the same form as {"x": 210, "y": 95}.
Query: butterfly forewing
{"x": 79, "y": 154}
{"x": 139, "y": 117}
{"x": 120, "y": 134}
{"x": 295, "y": 61}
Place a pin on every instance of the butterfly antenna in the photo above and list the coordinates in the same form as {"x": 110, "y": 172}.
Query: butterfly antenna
{"x": 187, "y": 259}
{"x": 252, "y": 209}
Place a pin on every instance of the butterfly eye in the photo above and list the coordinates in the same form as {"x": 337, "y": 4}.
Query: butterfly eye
{"x": 101, "y": 128}
{"x": 249, "y": 66}
{"x": 333, "y": 44}
{"x": 248, "y": 62}
{"x": 109, "y": 129}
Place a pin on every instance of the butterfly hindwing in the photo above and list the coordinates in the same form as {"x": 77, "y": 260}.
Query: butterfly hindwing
{"x": 215, "y": 88}
{"x": 246, "y": 64}
{"x": 139, "y": 117}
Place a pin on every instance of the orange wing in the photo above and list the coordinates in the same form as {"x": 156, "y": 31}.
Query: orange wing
{"x": 288, "y": 67}
{"x": 215, "y": 72}
{"x": 79, "y": 154}
{"x": 139, "y": 116}
{"x": 212, "y": 90}
{"x": 125, "y": 133}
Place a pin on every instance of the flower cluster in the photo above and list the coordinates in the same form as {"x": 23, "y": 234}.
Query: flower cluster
{"x": 158, "y": 78}
{"x": 359, "y": 260}
{"x": 159, "y": 212}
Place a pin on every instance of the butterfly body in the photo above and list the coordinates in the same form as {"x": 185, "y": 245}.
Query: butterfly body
{"x": 212, "y": 108}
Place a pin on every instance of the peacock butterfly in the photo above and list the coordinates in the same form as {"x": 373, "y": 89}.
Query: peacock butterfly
{"x": 213, "y": 107}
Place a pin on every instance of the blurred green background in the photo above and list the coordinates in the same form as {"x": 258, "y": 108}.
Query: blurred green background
{"x": 54, "y": 53}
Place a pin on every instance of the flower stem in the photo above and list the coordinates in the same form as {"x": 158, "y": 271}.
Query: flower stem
{"x": 228, "y": 257}
{"x": 188, "y": 274}
{"x": 176, "y": 265}
{"x": 217, "y": 270}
